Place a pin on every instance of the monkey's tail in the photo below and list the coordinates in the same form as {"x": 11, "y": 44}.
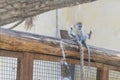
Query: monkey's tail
{"x": 88, "y": 75}
{"x": 81, "y": 60}
{"x": 88, "y": 49}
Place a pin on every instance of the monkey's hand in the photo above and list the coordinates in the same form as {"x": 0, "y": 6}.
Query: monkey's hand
{"x": 72, "y": 35}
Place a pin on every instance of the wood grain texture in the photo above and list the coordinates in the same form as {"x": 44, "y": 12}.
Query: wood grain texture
{"x": 26, "y": 42}
{"x": 14, "y": 10}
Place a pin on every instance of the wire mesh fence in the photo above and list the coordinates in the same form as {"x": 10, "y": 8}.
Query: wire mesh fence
{"x": 47, "y": 70}
{"x": 93, "y": 72}
{"x": 114, "y": 75}
{"x": 8, "y": 68}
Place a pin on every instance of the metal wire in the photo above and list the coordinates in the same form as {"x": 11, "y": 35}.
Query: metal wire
{"x": 114, "y": 75}
{"x": 8, "y": 68}
{"x": 93, "y": 71}
{"x": 47, "y": 70}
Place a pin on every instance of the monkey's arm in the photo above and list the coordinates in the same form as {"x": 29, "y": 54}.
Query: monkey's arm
{"x": 72, "y": 35}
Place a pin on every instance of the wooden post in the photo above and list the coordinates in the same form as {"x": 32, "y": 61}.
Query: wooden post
{"x": 103, "y": 73}
{"x": 26, "y": 67}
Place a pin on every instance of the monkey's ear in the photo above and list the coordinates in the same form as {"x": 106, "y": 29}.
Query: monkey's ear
{"x": 90, "y": 34}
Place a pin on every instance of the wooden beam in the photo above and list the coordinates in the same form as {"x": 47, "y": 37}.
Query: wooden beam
{"x": 26, "y": 42}
{"x": 14, "y": 54}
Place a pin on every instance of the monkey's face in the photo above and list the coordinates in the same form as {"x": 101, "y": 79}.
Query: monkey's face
{"x": 78, "y": 26}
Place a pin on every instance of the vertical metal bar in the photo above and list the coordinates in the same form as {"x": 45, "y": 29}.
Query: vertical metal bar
{"x": 57, "y": 27}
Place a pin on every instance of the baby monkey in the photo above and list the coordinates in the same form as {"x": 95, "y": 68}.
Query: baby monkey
{"x": 78, "y": 35}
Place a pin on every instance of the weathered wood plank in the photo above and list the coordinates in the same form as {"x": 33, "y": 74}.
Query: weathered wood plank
{"x": 26, "y": 42}
{"x": 6, "y": 53}
{"x": 14, "y": 10}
